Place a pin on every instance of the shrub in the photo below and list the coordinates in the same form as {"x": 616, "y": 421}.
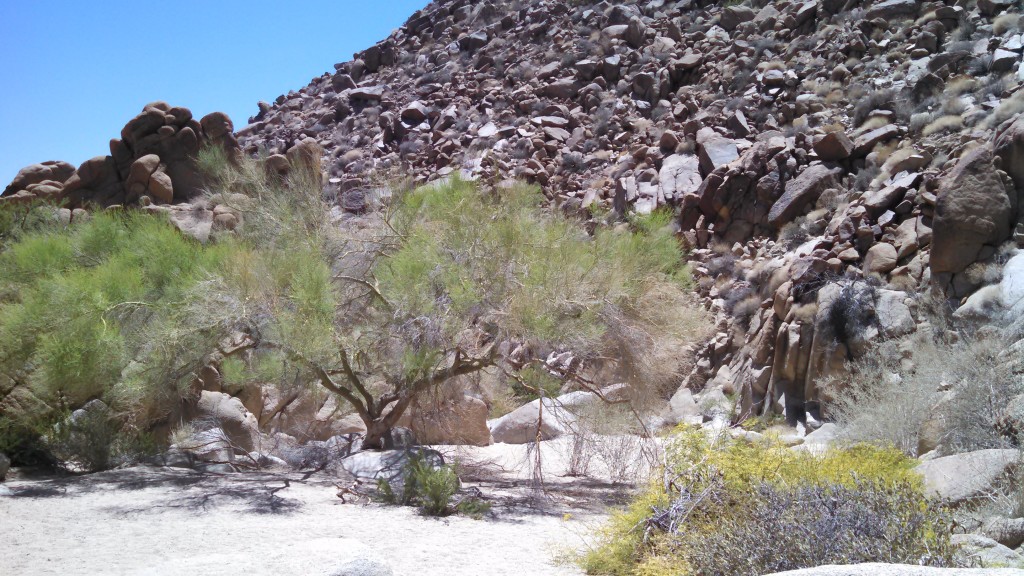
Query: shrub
{"x": 721, "y": 501}
{"x": 427, "y": 486}
{"x": 89, "y": 312}
{"x": 943, "y": 124}
{"x": 879, "y": 99}
{"x": 474, "y": 508}
{"x": 435, "y": 487}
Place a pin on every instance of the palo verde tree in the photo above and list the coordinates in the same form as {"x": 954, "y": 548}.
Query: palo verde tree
{"x": 440, "y": 282}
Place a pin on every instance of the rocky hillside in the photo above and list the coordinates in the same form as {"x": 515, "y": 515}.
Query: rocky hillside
{"x": 815, "y": 152}
{"x": 840, "y": 168}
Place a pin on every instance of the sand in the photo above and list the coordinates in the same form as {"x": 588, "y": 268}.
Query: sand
{"x": 150, "y": 520}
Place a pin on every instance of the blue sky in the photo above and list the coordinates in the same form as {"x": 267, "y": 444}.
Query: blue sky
{"x": 74, "y": 72}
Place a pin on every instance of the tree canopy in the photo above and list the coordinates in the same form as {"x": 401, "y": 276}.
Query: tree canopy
{"x": 437, "y": 282}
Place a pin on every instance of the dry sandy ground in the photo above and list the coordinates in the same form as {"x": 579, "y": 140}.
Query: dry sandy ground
{"x": 147, "y": 520}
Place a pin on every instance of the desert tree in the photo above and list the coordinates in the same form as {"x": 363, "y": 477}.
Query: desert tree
{"x": 439, "y": 282}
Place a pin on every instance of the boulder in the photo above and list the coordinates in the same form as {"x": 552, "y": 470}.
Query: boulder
{"x": 1007, "y": 531}
{"x": 521, "y": 425}
{"x": 53, "y": 170}
{"x": 1009, "y": 149}
{"x": 415, "y": 113}
{"x": 890, "y": 9}
{"x": 1011, "y": 287}
{"x": 984, "y": 551}
{"x": 205, "y": 446}
{"x": 733, "y": 16}
{"x": 682, "y": 408}
{"x": 5, "y": 465}
{"x": 800, "y": 192}
{"x": 894, "y": 316}
{"x": 462, "y": 421}
{"x": 963, "y": 478}
{"x": 865, "y": 143}
{"x": 973, "y": 209}
{"x": 227, "y": 413}
{"x": 880, "y": 259}
{"x": 96, "y": 180}
{"x": 715, "y": 152}
{"x": 834, "y": 146}
{"x": 679, "y": 175}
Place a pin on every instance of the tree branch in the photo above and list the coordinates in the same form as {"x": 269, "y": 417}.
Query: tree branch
{"x": 371, "y": 286}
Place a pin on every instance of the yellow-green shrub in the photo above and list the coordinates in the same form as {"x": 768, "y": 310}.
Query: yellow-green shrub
{"x": 719, "y": 495}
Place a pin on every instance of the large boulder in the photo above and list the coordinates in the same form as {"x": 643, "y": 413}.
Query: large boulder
{"x": 52, "y": 170}
{"x": 1009, "y": 149}
{"x": 97, "y": 181}
{"x": 451, "y": 421}
{"x": 1007, "y": 531}
{"x": 524, "y": 424}
{"x": 679, "y": 175}
{"x": 890, "y": 9}
{"x": 715, "y": 152}
{"x": 5, "y": 465}
{"x": 984, "y": 551}
{"x": 967, "y": 477}
{"x": 733, "y": 16}
{"x": 801, "y": 191}
{"x": 227, "y": 413}
{"x": 974, "y": 208}
{"x": 880, "y": 259}
{"x": 834, "y": 146}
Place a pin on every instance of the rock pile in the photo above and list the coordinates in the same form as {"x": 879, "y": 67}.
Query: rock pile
{"x": 155, "y": 158}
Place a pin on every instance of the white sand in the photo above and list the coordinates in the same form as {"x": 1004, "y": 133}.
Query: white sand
{"x": 169, "y": 521}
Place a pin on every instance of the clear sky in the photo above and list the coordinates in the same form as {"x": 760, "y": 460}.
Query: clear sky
{"x": 73, "y": 72}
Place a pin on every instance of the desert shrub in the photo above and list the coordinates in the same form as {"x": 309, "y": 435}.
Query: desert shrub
{"x": 893, "y": 391}
{"x": 426, "y": 486}
{"x": 850, "y": 311}
{"x": 943, "y": 124}
{"x": 721, "y": 500}
{"x": 877, "y": 100}
{"x": 435, "y": 486}
{"x": 794, "y": 233}
{"x": 882, "y": 403}
{"x": 87, "y": 314}
{"x": 983, "y": 381}
{"x": 473, "y": 507}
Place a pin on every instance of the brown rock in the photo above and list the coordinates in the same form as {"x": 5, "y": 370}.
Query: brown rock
{"x": 834, "y": 146}
{"x": 881, "y": 258}
{"x": 462, "y": 421}
{"x": 974, "y": 209}
{"x": 801, "y": 191}
{"x": 54, "y": 170}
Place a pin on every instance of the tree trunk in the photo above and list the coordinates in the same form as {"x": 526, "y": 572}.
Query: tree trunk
{"x": 378, "y": 429}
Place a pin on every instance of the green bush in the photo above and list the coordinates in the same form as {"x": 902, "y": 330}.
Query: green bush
{"x": 756, "y": 507}
{"x": 436, "y": 487}
{"x": 429, "y": 487}
{"x": 100, "y": 310}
